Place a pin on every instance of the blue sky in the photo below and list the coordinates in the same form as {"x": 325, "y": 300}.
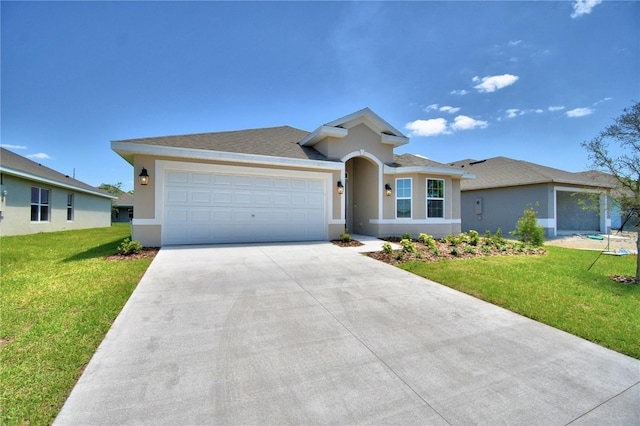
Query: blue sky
{"x": 526, "y": 80}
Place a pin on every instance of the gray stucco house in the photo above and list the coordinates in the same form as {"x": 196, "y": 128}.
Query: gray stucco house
{"x": 35, "y": 198}
{"x": 503, "y": 188}
{"x": 287, "y": 184}
{"x": 122, "y": 208}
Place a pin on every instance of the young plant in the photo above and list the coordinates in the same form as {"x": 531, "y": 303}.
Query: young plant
{"x": 427, "y": 240}
{"x": 345, "y": 236}
{"x": 474, "y": 237}
{"x": 406, "y": 236}
{"x": 386, "y": 248}
{"x": 527, "y": 229}
{"x": 128, "y": 247}
{"x": 408, "y": 245}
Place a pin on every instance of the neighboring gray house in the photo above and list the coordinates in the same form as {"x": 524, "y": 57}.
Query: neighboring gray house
{"x": 122, "y": 208}
{"x": 503, "y": 188}
{"x": 35, "y": 198}
{"x": 286, "y": 184}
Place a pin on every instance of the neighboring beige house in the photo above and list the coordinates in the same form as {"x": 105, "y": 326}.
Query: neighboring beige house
{"x": 35, "y": 198}
{"x": 285, "y": 184}
{"x": 503, "y": 188}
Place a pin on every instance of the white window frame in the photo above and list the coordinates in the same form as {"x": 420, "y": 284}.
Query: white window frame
{"x": 70, "y": 206}
{"x": 444, "y": 204}
{"x": 39, "y": 204}
{"x": 410, "y": 198}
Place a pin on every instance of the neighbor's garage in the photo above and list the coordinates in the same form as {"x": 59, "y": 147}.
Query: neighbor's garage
{"x": 202, "y": 207}
{"x": 576, "y": 212}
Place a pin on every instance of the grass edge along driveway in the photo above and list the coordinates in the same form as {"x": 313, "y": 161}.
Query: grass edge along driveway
{"x": 58, "y": 298}
{"x": 555, "y": 289}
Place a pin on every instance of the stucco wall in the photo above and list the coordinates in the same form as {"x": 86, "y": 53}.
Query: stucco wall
{"x": 359, "y": 137}
{"x": 501, "y": 207}
{"x": 89, "y": 211}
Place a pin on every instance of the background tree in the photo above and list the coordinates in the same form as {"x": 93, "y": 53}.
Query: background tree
{"x": 114, "y": 189}
{"x": 623, "y": 165}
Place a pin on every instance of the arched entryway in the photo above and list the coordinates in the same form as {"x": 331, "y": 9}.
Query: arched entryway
{"x": 362, "y": 194}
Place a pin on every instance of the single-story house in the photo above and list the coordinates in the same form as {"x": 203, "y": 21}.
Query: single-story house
{"x": 35, "y": 198}
{"x": 286, "y": 184}
{"x": 122, "y": 208}
{"x": 503, "y": 188}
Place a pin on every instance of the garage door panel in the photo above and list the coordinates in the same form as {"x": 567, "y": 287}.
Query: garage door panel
{"x": 202, "y": 207}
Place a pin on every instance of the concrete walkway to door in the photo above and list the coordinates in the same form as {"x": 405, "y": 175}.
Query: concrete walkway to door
{"x": 315, "y": 334}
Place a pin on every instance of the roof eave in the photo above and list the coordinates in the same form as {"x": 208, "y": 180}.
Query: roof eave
{"x": 41, "y": 179}
{"x": 323, "y": 132}
{"x": 424, "y": 169}
{"x": 128, "y": 150}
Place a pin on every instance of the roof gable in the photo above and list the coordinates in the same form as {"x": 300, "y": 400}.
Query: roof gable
{"x": 17, "y": 165}
{"x": 339, "y": 128}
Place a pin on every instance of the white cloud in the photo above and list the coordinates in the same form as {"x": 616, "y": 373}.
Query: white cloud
{"x": 514, "y": 112}
{"x": 494, "y": 82}
{"x": 601, "y": 101}
{"x": 462, "y": 122}
{"x": 431, "y": 107}
{"x": 449, "y": 109}
{"x": 579, "y": 112}
{"x": 433, "y": 127}
{"x": 556, "y": 108}
{"x": 39, "y": 156}
{"x": 583, "y": 7}
{"x": 514, "y": 43}
{"x": 538, "y": 111}
{"x": 9, "y": 146}
{"x": 460, "y": 92}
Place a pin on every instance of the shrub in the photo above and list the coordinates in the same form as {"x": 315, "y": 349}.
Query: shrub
{"x": 399, "y": 255}
{"x": 463, "y": 238}
{"x": 454, "y": 251}
{"x": 408, "y": 245}
{"x": 345, "y": 236}
{"x": 527, "y": 229}
{"x": 128, "y": 247}
{"x": 435, "y": 251}
{"x": 470, "y": 249}
{"x": 485, "y": 249}
{"x": 498, "y": 240}
{"x": 406, "y": 236}
{"x": 386, "y": 248}
{"x": 474, "y": 237}
{"x": 451, "y": 240}
{"x": 427, "y": 240}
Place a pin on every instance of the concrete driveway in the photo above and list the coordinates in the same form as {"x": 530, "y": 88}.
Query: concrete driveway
{"x": 317, "y": 334}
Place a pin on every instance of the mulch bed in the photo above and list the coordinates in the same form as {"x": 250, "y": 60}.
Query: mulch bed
{"x": 146, "y": 253}
{"x": 352, "y": 243}
{"x": 446, "y": 251}
{"x": 624, "y": 279}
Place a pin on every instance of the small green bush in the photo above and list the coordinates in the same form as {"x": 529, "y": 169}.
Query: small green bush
{"x": 427, "y": 240}
{"x": 399, "y": 255}
{"x": 470, "y": 249}
{"x": 485, "y": 249}
{"x": 435, "y": 251}
{"x": 406, "y": 236}
{"x": 408, "y": 245}
{"x": 498, "y": 240}
{"x": 386, "y": 248}
{"x": 454, "y": 251}
{"x": 451, "y": 240}
{"x": 474, "y": 237}
{"x": 527, "y": 229}
{"x": 345, "y": 236}
{"x": 128, "y": 247}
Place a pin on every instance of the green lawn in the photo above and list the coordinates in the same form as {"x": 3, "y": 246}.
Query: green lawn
{"x": 555, "y": 289}
{"x": 58, "y": 298}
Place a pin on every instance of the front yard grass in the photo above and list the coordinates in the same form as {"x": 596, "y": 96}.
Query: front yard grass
{"x": 58, "y": 298}
{"x": 555, "y": 289}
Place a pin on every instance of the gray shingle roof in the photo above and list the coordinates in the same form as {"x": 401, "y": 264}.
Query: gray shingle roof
{"x": 272, "y": 141}
{"x": 411, "y": 160}
{"x": 500, "y": 172}
{"x": 12, "y": 163}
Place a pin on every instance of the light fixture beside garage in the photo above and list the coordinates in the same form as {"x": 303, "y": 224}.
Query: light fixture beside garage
{"x": 144, "y": 177}
{"x": 340, "y": 187}
{"x": 387, "y": 188}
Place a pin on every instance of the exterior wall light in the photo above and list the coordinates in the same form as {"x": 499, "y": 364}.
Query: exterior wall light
{"x": 387, "y": 188}
{"x": 144, "y": 177}
{"x": 340, "y": 187}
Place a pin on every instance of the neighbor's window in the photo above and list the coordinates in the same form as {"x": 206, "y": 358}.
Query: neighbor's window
{"x": 403, "y": 198}
{"x": 69, "y": 207}
{"x": 435, "y": 198}
{"x": 39, "y": 204}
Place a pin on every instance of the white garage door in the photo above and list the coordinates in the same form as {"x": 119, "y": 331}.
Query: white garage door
{"x": 205, "y": 207}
